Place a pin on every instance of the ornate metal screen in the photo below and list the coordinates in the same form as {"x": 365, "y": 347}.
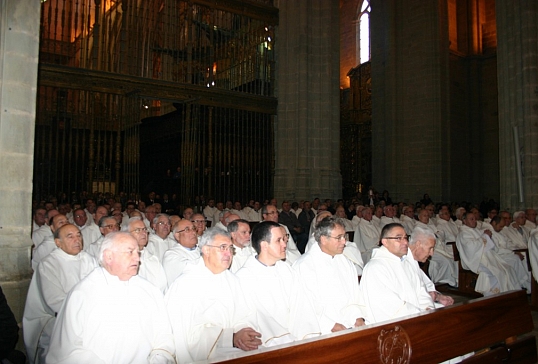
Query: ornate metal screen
{"x": 106, "y": 65}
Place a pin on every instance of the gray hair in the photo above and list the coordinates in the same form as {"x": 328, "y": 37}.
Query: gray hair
{"x": 125, "y": 228}
{"x": 517, "y": 213}
{"x": 326, "y": 226}
{"x": 210, "y": 235}
{"x": 104, "y": 218}
{"x": 156, "y": 218}
{"x": 421, "y": 234}
{"x": 109, "y": 242}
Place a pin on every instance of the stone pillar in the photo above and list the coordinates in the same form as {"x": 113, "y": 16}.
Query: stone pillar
{"x": 517, "y": 68}
{"x": 410, "y": 102}
{"x": 307, "y": 129}
{"x": 19, "y": 44}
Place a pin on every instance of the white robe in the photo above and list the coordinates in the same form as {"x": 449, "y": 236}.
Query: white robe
{"x": 408, "y": 223}
{"x": 209, "y": 213}
{"x": 205, "y": 310}
{"x": 284, "y": 312}
{"x": 158, "y": 246}
{"x": 331, "y": 284}
{"x": 90, "y": 233}
{"x": 450, "y": 229}
{"x": 292, "y": 252}
{"x": 240, "y": 257}
{"x": 477, "y": 253}
{"x": 94, "y": 248}
{"x": 40, "y": 234}
{"x": 176, "y": 259}
{"x": 355, "y": 221}
{"x": 151, "y": 269}
{"x": 387, "y": 220}
{"x": 42, "y": 251}
{"x": 105, "y": 320}
{"x": 533, "y": 252}
{"x": 367, "y": 237}
{"x": 514, "y": 238}
{"x": 391, "y": 288}
{"x": 443, "y": 268}
{"x": 52, "y": 281}
{"x": 519, "y": 266}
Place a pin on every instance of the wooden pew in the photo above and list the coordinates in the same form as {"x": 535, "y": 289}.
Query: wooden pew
{"x": 534, "y": 284}
{"x": 495, "y": 328}
{"x": 466, "y": 278}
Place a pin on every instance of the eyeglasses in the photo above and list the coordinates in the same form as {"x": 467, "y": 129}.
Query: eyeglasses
{"x": 111, "y": 226}
{"x": 224, "y": 248}
{"x": 163, "y": 223}
{"x": 139, "y": 230}
{"x": 187, "y": 229}
{"x": 339, "y": 237}
{"x": 399, "y": 239}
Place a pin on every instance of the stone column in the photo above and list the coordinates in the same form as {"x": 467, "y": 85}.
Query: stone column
{"x": 307, "y": 129}
{"x": 517, "y": 68}
{"x": 19, "y": 43}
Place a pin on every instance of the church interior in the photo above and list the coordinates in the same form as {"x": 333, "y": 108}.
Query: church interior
{"x": 255, "y": 99}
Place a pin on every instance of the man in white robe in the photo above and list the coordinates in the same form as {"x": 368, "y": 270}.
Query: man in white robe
{"x": 113, "y": 315}
{"x": 341, "y": 213}
{"x": 44, "y": 230}
{"x": 358, "y": 216}
{"x": 107, "y": 225}
{"x": 270, "y": 213}
{"x": 449, "y": 228}
{"x": 330, "y": 279}
{"x": 530, "y": 216}
{"x": 48, "y": 245}
{"x": 209, "y": 211}
{"x": 284, "y": 312}
{"x": 54, "y": 277}
{"x": 208, "y": 311}
{"x": 39, "y": 219}
{"x": 443, "y": 268}
{"x": 90, "y": 231}
{"x": 391, "y": 288}
{"x": 150, "y": 268}
{"x": 367, "y": 235}
{"x": 477, "y": 253}
{"x": 389, "y": 216}
{"x": 183, "y": 253}
{"x": 407, "y": 219}
{"x": 159, "y": 242}
{"x": 240, "y": 233}
{"x": 421, "y": 247}
{"x": 516, "y": 234}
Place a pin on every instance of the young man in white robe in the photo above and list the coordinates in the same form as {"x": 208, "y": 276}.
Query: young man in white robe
{"x": 240, "y": 232}
{"x": 270, "y": 213}
{"x": 477, "y": 253}
{"x": 185, "y": 251}
{"x": 113, "y": 315}
{"x": 208, "y": 311}
{"x": 330, "y": 279}
{"x": 150, "y": 268}
{"x": 54, "y": 277}
{"x": 284, "y": 312}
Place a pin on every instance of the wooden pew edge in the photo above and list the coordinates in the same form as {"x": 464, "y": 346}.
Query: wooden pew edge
{"x": 499, "y": 316}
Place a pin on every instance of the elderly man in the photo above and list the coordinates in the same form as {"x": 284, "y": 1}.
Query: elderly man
{"x": 516, "y": 234}
{"x": 150, "y": 266}
{"x": 90, "y": 232}
{"x": 330, "y": 279}
{"x": 113, "y": 316}
{"x": 356, "y": 219}
{"x": 200, "y": 224}
{"x": 44, "y": 230}
{"x": 389, "y": 287}
{"x": 284, "y": 312}
{"x": 150, "y": 216}
{"x": 389, "y": 216}
{"x": 187, "y": 213}
{"x": 443, "y": 268}
{"x": 40, "y": 218}
{"x": 107, "y": 225}
{"x": 367, "y": 235}
{"x": 240, "y": 233}
{"x": 54, "y": 277}
{"x": 341, "y": 214}
{"x": 530, "y": 215}
{"x": 100, "y": 211}
{"x": 477, "y": 252}
{"x": 160, "y": 242}
{"x": 209, "y": 211}
{"x": 421, "y": 247}
{"x": 48, "y": 244}
{"x": 270, "y": 213}
{"x": 209, "y": 313}
{"x": 448, "y": 227}
{"x": 185, "y": 251}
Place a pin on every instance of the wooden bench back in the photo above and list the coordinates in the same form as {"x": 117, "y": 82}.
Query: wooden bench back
{"x": 421, "y": 338}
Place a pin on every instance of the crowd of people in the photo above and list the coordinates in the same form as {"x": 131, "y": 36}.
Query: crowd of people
{"x": 135, "y": 282}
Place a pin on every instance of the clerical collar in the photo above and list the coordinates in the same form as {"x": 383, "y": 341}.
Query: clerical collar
{"x": 191, "y": 249}
{"x": 265, "y": 265}
{"x": 403, "y": 258}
